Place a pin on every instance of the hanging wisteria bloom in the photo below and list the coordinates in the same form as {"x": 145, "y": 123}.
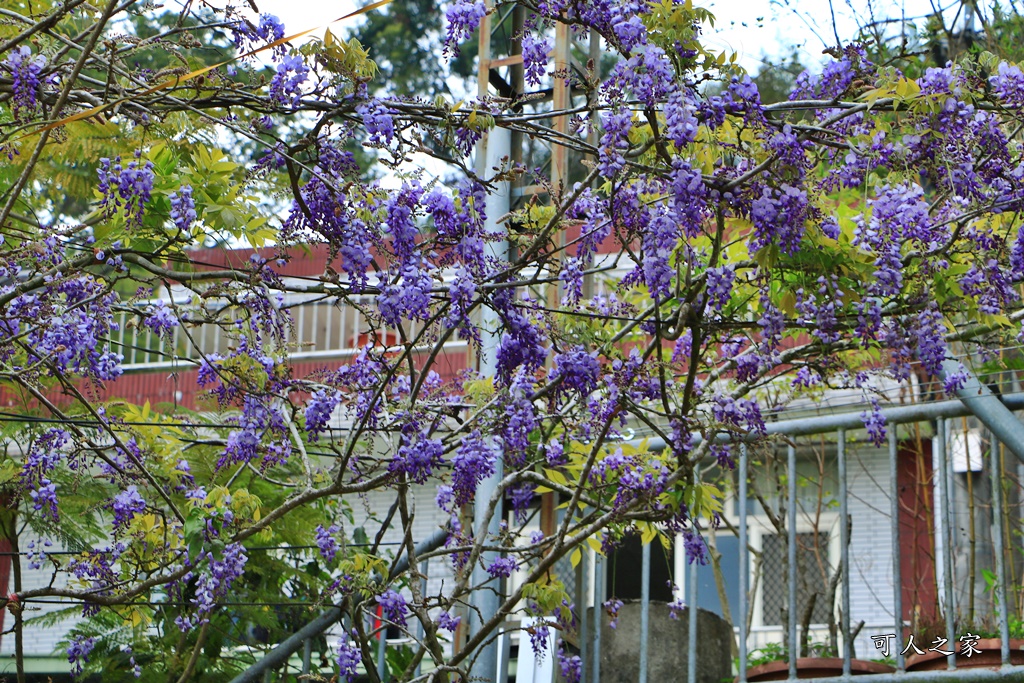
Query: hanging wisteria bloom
{"x": 24, "y": 69}
{"x": 160, "y": 319}
{"x": 126, "y": 187}
{"x": 349, "y": 659}
{"x": 462, "y": 17}
{"x": 286, "y": 85}
{"x": 183, "y": 208}
{"x": 268, "y": 30}
{"x": 535, "y": 57}
{"x": 78, "y": 653}
{"x": 310, "y": 331}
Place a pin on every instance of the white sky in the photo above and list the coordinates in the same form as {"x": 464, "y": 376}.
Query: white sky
{"x": 751, "y": 27}
{"x": 770, "y": 27}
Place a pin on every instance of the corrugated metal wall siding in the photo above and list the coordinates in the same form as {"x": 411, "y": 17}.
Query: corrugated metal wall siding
{"x": 180, "y": 387}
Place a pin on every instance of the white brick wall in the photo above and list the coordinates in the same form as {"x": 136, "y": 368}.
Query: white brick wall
{"x": 871, "y": 576}
{"x": 427, "y": 519}
{"x": 38, "y": 640}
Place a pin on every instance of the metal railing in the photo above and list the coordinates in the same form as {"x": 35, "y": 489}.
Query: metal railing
{"x": 318, "y": 329}
{"x": 883, "y": 466}
{"x": 836, "y": 429}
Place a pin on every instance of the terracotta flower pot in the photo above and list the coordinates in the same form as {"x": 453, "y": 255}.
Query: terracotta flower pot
{"x": 814, "y": 667}
{"x": 988, "y": 655}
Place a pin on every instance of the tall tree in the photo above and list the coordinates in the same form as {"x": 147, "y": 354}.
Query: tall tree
{"x": 406, "y": 41}
{"x": 760, "y": 250}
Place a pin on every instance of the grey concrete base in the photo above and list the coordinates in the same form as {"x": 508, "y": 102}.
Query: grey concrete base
{"x": 667, "y": 646}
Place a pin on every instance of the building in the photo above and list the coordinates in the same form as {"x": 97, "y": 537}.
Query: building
{"x": 327, "y": 336}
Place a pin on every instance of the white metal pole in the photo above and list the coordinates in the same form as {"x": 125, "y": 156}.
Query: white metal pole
{"x": 487, "y": 594}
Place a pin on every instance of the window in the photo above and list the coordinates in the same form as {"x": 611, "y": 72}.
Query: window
{"x": 813, "y": 572}
{"x": 624, "y": 575}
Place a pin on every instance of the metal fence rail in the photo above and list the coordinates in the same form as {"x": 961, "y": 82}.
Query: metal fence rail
{"x": 835, "y": 429}
{"x": 323, "y": 329}
{"x": 838, "y": 432}
{"x": 318, "y": 329}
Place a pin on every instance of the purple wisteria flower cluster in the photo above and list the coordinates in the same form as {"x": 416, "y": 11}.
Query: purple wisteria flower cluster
{"x": 183, "y": 208}
{"x": 129, "y": 187}
{"x": 214, "y": 583}
{"x": 24, "y": 69}
{"x": 67, "y": 326}
{"x": 462, "y": 18}
{"x": 286, "y": 85}
{"x": 574, "y": 348}
{"x": 268, "y": 30}
{"x": 78, "y": 653}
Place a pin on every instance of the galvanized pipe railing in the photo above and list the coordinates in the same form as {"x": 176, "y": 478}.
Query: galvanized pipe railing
{"x": 645, "y": 609}
{"x": 995, "y": 473}
{"x": 599, "y": 597}
{"x": 791, "y": 476}
{"x": 744, "y": 561}
{"x": 844, "y": 554}
{"x": 586, "y": 586}
{"x": 283, "y": 651}
{"x": 942, "y": 435}
{"x": 691, "y": 659}
{"x": 944, "y": 541}
{"x": 894, "y": 528}
{"x": 825, "y": 424}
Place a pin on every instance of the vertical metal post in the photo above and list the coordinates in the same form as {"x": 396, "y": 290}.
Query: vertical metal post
{"x": 1020, "y": 494}
{"x": 487, "y": 594}
{"x": 996, "y": 477}
{"x": 307, "y": 655}
{"x": 328, "y": 325}
{"x": 424, "y": 567}
{"x": 794, "y": 646}
{"x": 486, "y": 599}
{"x": 692, "y": 654}
{"x": 315, "y": 336}
{"x": 744, "y": 562}
{"x": 344, "y": 342}
{"x": 894, "y": 513}
{"x": 136, "y": 341}
{"x": 645, "y": 608}
{"x": 947, "y": 535}
{"x": 504, "y": 654}
{"x": 595, "y": 673}
{"x": 582, "y": 599}
{"x": 844, "y": 550}
{"x": 382, "y": 647}
{"x": 216, "y": 331}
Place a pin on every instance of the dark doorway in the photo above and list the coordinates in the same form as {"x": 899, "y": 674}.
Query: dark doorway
{"x": 624, "y": 573}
